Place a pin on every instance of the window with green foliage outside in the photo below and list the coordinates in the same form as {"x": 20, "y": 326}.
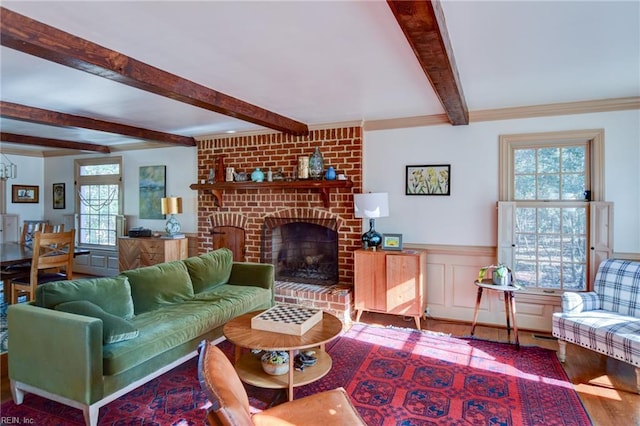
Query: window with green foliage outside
{"x": 551, "y": 216}
{"x": 98, "y": 200}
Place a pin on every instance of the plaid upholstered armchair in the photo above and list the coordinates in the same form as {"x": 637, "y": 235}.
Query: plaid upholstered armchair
{"x": 606, "y": 320}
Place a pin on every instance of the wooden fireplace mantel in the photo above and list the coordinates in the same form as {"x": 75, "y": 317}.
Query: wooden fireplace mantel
{"x": 324, "y": 187}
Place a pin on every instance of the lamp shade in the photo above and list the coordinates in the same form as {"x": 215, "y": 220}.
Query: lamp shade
{"x": 171, "y": 205}
{"x": 371, "y": 205}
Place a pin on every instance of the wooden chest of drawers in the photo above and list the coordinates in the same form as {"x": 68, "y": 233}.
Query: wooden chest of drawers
{"x": 138, "y": 252}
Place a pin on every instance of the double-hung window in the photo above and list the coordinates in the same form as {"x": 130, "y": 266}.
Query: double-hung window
{"x": 98, "y": 201}
{"x": 548, "y": 227}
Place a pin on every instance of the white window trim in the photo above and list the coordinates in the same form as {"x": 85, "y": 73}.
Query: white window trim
{"x": 600, "y": 238}
{"x": 99, "y": 179}
{"x": 595, "y": 142}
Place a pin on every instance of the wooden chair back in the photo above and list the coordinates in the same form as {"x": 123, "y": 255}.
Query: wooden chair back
{"x": 220, "y": 382}
{"x": 29, "y": 229}
{"x": 53, "y": 228}
{"x": 51, "y": 251}
{"x": 230, "y": 404}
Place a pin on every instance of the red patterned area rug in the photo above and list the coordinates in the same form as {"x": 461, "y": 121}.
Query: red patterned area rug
{"x": 405, "y": 377}
{"x": 393, "y": 376}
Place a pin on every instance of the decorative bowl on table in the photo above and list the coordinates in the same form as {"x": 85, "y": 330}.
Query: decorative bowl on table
{"x": 275, "y": 363}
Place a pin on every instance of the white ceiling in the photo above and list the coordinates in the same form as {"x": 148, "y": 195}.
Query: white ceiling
{"x": 322, "y": 61}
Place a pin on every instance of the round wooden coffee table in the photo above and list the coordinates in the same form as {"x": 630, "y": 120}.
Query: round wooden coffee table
{"x": 239, "y": 332}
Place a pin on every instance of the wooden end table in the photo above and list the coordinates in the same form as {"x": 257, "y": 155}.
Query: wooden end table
{"x": 509, "y": 306}
{"x": 239, "y": 332}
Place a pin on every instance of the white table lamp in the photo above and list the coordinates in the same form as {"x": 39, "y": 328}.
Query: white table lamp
{"x": 371, "y": 206}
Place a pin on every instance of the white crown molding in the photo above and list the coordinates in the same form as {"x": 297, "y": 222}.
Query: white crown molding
{"x": 144, "y": 145}
{"x": 22, "y": 152}
{"x": 400, "y": 123}
{"x": 565, "y": 108}
{"x": 547, "y": 110}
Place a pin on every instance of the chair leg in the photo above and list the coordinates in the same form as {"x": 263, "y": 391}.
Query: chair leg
{"x": 15, "y": 294}
{"x": 562, "y": 350}
{"x": 6, "y": 289}
{"x": 638, "y": 379}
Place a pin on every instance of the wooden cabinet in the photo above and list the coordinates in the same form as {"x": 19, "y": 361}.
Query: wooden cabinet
{"x": 390, "y": 282}
{"x": 9, "y": 228}
{"x": 138, "y": 252}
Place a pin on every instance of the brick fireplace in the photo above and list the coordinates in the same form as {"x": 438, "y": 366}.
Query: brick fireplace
{"x": 303, "y": 246}
{"x": 258, "y": 210}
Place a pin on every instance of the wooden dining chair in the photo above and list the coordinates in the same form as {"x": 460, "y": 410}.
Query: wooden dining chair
{"x": 29, "y": 229}
{"x": 230, "y": 403}
{"x": 51, "y": 252}
{"x": 21, "y": 270}
{"x": 53, "y": 228}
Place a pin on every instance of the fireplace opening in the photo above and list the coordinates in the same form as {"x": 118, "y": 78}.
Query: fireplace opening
{"x": 304, "y": 252}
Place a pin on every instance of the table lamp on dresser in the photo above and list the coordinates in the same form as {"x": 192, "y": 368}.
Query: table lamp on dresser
{"x": 172, "y": 206}
{"x": 371, "y": 206}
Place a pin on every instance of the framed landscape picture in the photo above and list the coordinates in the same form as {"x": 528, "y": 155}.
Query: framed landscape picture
{"x": 428, "y": 180}
{"x": 392, "y": 242}
{"x": 152, "y": 189}
{"x": 25, "y": 194}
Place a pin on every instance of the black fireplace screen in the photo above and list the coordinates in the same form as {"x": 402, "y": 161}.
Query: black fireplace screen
{"x": 303, "y": 252}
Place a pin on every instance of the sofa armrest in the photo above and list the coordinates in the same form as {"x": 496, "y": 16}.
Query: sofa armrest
{"x": 574, "y": 303}
{"x": 56, "y": 351}
{"x": 252, "y": 274}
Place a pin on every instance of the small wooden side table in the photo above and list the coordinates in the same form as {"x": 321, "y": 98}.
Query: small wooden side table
{"x": 239, "y": 332}
{"x": 509, "y": 306}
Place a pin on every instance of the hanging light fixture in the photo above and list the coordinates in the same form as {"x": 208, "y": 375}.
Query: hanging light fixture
{"x": 8, "y": 170}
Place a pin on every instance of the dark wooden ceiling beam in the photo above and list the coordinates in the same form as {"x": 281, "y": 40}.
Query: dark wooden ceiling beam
{"x": 52, "y": 143}
{"x": 35, "y": 38}
{"x": 423, "y": 24}
{"x": 60, "y": 119}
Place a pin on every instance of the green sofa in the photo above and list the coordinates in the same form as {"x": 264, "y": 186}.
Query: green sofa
{"x": 86, "y": 342}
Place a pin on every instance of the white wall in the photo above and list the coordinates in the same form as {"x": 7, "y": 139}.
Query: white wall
{"x": 30, "y": 172}
{"x": 181, "y": 172}
{"x": 468, "y": 216}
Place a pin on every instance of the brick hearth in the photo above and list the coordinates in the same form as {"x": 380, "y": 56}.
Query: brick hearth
{"x": 341, "y": 148}
{"x": 336, "y": 300}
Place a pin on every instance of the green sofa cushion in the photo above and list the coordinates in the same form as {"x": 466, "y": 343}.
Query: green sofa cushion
{"x": 210, "y": 269}
{"x": 114, "y": 329}
{"x": 173, "y": 325}
{"x": 155, "y": 286}
{"x": 112, "y": 294}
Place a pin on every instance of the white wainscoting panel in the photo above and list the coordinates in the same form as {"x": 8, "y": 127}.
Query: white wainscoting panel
{"x": 451, "y": 294}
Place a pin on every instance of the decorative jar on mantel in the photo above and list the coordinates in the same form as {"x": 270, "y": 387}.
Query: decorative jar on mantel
{"x": 257, "y": 175}
{"x": 303, "y": 167}
{"x": 330, "y": 174}
{"x": 316, "y": 164}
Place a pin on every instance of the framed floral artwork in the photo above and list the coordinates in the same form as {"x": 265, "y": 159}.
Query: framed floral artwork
{"x": 428, "y": 180}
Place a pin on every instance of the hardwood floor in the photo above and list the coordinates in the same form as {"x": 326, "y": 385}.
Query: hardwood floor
{"x": 605, "y": 386}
